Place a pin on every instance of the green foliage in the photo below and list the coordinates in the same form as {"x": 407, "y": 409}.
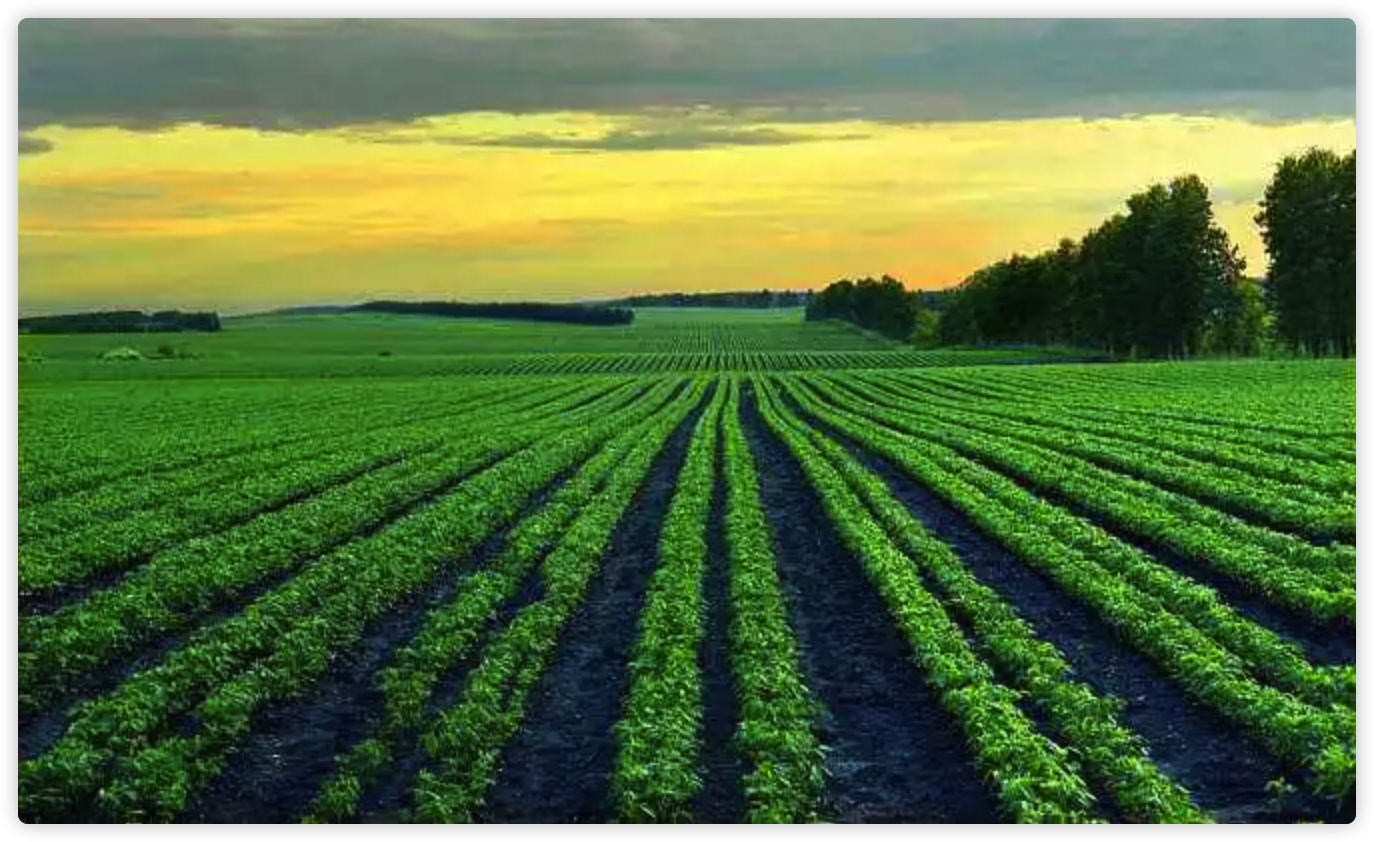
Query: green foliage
{"x": 1150, "y": 281}
{"x": 1307, "y": 219}
{"x": 263, "y": 530}
{"x": 925, "y": 331}
{"x": 1240, "y": 323}
{"x": 778, "y": 713}
{"x": 655, "y": 776}
{"x": 883, "y": 306}
{"x": 1032, "y": 775}
{"x": 1180, "y": 624}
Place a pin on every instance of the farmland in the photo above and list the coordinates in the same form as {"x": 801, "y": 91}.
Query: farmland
{"x": 702, "y": 568}
{"x": 381, "y": 345}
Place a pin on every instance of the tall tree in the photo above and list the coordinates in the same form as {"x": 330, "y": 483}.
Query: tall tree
{"x": 1307, "y": 220}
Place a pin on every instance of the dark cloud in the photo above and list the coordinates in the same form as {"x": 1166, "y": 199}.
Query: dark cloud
{"x": 30, "y": 145}
{"x": 628, "y": 140}
{"x": 289, "y": 75}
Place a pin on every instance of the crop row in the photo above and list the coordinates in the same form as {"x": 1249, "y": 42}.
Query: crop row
{"x": 464, "y": 742}
{"x": 183, "y": 583}
{"x": 1318, "y": 581}
{"x": 736, "y": 361}
{"x": 1034, "y": 778}
{"x": 1306, "y": 467}
{"x": 129, "y": 756}
{"x": 111, "y": 546}
{"x": 130, "y": 495}
{"x": 778, "y": 713}
{"x": 1154, "y": 610}
{"x": 103, "y": 452}
{"x": 1114, "y": 757}
{"x": 1268, "y": 656}
{"x": 1293, "y": 507}
{"x": 1307, "y": 402}
{"x": 658, "y": 735}
{"x": 452, "y": 630}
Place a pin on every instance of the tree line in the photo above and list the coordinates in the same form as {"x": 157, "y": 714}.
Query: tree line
{"x": 121, "y": 321}
{"x": 760, "y": 299}
{"x": 518, "y": 310}
{"x": 1164, "y": 280}
{"x": 883, "y": 306}
{"x": 1307, "y": 219}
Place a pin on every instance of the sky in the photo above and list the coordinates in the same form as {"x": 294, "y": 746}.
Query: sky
{"x": 248, "y": 164}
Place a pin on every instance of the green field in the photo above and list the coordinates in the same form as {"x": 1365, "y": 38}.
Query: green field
{"x": 710, "y": 567}
{"x": 370, "y": 345}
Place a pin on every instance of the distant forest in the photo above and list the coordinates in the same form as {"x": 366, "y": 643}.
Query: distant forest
{"x": 760, "y": 300}
{"x": 121, "y": 321}
{"x": 1160, "y": 280}
{"x": 523, "y": 311}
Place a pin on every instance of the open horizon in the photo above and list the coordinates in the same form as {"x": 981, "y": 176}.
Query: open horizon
{"x": 243, "y": 166}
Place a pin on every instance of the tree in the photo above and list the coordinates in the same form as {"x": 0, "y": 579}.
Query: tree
{"x": 883, "y": 305}
{"x": 1239, "y": 320}
{"x": 1307, "y": 220}
{"x": 925, "y": 333}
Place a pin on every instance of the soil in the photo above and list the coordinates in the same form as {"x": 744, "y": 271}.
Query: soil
{"x": 38, "y": 731}
{"x": 1213, "y": 758}
{"x": 557, "y": 767}
{"x": 1332, "y": 643}
{"x": 1315, "y": 535}
{"x": 274, "y": 773}
{"x": 893, "y": 753}
{"x": 721, "y": 799}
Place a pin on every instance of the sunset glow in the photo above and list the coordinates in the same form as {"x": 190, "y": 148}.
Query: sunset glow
{"x": 576, "y": 204}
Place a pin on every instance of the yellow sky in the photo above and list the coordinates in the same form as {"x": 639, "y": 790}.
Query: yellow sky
{"x": 236, "y": 220}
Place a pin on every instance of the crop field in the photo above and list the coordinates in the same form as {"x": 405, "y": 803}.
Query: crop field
{"x": 963, "y": 593}
{"x": 660, "y": 340}
{"x": 727, "y": 567}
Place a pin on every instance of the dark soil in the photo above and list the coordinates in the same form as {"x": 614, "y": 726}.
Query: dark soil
{"x": 386, "y": 801}
{"x": 273, "y": 774}
{"x": 1332, "y": 643}
{"x": 1324, "y": 644}
{"x": 894, "y": 754}
{"x": 1317, "y": 536}
{"x": 721, "y": 800}
{"x": 558, "y": 765}
{"x": 50, "y": 600}
{"x": 1212, "y": 757}
{"x": 38, "y": 731}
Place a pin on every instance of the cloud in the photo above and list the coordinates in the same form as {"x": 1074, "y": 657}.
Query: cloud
{"x": 635, "y": 140}
{"x": 30, "y": 145}
{"x": 306, "y": 74}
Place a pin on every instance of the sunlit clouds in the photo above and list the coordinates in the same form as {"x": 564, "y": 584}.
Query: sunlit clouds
{"x": 567, "y": 160}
